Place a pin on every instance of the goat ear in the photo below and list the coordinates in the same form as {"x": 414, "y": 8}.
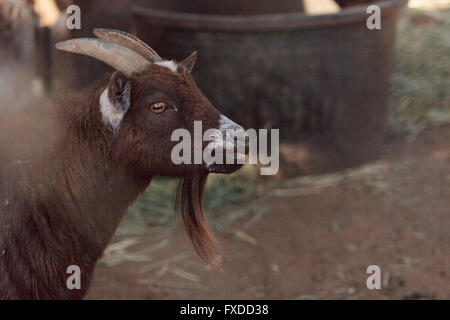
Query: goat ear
{"x": 189, "y": 62}
{"x": 115, "y": 100}
{"x": 119, "y": 91}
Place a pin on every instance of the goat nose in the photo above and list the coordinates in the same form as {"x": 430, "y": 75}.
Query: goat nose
{"x": 227, "y": 124}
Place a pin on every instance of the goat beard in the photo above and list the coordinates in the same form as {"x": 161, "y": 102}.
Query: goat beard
{"x": 189, "y": 206}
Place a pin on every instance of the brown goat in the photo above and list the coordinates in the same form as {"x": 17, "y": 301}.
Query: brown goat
{"x": 68, "y": 174}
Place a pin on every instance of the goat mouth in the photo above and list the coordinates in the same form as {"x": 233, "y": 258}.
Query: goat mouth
{"x": 223, "y": 168}
{"x": 230, "y": 160}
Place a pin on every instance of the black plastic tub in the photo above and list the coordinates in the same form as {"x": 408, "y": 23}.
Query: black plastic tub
{"x": 324, "y": 74}
{"x": 227, "y": 7}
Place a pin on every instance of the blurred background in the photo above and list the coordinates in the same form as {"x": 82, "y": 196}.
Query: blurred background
{"x": 364, "y": 119}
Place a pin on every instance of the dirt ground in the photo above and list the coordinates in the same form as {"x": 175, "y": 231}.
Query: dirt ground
{"x": 311, "y": 245}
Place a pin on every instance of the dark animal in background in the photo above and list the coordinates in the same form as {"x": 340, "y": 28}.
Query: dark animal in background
{"x": 68, "y": 174}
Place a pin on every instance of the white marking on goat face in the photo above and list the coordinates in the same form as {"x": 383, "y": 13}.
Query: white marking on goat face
{"x": 225, "y": 138}
{"x": 113, "y": 112}
{"x": 172, "y": 65}
{"x": 225, "y": 123}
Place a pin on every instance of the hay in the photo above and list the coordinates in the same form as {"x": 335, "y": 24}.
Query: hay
{"x": 315, "y": 184}
{"x": 185, "y": 274}
{"x": 164, "y": 262}
{"x": 243, "y": 236}
{"x": 116, "y": 253}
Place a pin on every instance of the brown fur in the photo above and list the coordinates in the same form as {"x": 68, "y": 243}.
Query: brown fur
{"x": 189, "y": 206}
{"x": 66, "y": 180}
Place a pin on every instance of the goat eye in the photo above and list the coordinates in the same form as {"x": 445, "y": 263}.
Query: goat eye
{"x": 158, "y": 107}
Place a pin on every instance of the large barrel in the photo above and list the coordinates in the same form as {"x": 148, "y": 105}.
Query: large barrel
{"x": 324, "y": 74}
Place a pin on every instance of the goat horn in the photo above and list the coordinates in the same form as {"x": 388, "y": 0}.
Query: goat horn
{"x": 129, "y": 41}
{"x": 119, "y": 57}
